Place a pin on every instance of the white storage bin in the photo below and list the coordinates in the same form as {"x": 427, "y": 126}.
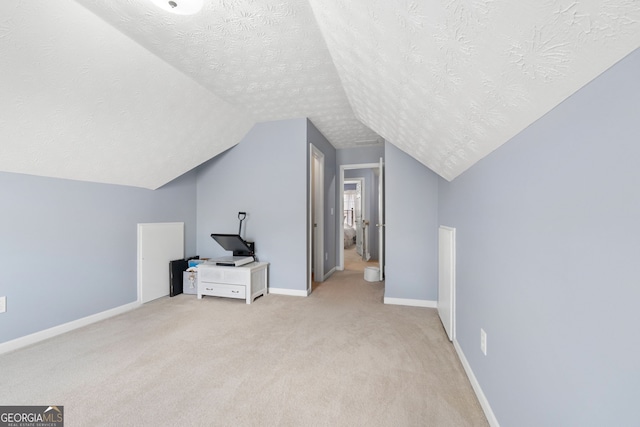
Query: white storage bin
{"x": 190, "y": 282}
{"x": 372, "y": 274}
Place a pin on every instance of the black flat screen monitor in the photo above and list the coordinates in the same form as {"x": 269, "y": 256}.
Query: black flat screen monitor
{"x": 232, "y": 242}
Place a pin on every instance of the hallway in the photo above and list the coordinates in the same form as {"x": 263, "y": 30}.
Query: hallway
{"x": 353, "y": 261}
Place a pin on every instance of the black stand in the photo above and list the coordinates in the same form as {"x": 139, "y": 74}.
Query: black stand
{"x": 250, "y": 245}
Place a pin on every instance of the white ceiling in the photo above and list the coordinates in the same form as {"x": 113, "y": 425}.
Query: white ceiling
{"x": 139, "y": 96}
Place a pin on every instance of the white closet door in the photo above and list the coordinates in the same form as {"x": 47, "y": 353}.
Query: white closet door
{"x": 381, "y": 223}
{"x": 158, "y": 243}
{"x": 357, "y": 223}
{"x": 447, "y": 278}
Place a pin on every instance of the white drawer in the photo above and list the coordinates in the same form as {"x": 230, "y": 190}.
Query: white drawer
{"x": 223, "y": 275}
{"x": 222, "y": 290}
{"x": 235, "y": 276}
{"x": 211, "y": 274}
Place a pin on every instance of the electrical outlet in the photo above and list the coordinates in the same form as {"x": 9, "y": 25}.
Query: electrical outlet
{"x": 483, "y": 341}
{"x": 3, "y": 304}
{"x": 326, "y": 256}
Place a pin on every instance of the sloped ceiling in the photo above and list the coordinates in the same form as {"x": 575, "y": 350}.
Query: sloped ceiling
{"x": 80, "y": 100}
{"x": 449, "y": 81}
{"x": 120, "y": 91}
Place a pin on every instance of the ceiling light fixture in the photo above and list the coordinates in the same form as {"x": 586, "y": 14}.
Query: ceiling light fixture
{"x": 179, "y": 7}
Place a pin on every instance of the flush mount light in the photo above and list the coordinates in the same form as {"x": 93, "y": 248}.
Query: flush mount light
{"x": 179, "y": 7}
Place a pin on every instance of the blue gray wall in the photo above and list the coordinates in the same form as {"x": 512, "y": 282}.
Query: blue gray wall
{"x": 411, "y": 208}
{"x": 68, "y": 248}
{"x": 354, "y": 156}
{"x": 548, "y": 244}
{"x": 265, "y": 175}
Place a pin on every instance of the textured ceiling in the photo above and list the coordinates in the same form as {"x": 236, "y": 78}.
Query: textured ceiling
{"x": 120, "y": 91}
{"x": 449, "y": 81}
{"x": 266, "y": 56}
{"x": 79, "y": 100}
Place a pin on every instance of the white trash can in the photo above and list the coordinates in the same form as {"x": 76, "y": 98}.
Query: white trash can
{"x": 372, "y": 274}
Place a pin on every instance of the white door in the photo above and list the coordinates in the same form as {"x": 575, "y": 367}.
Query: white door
{"x": 158, "y": 243}
{"x": 358, "y": 216}
{"x": 316, "y": 213}
{"x": 364, "y": 204}
{"x": 354, "y": 199}
{"x": 447, "y": 278}
{"x": 381, "y": 224}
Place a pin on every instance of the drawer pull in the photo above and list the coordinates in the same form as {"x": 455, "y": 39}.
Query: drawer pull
{"x": 235, "y": 292}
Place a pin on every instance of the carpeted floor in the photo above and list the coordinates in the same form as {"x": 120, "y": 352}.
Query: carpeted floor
{"x": 336, "y": 358}
{"x": 353, "y": 261}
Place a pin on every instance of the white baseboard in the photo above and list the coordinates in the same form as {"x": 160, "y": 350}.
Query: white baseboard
{"x": 17, "y": 343}
{"x": 329, "y": 273}
{"x": 411, "y": 302}
{"x": 488, "y": 412}
{"x": 291, "y": 292}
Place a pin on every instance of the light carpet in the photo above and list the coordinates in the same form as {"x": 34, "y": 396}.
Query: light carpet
{"x": 339, "y": 357}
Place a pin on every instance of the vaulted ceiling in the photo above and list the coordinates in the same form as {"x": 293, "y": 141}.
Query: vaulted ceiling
{"x": 120, "y": 91}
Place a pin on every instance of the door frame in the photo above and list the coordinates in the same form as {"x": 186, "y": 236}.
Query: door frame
{"x": 363, "y": 199}
{"x": 340, "y": 231}
{"x": 447, "y": 279}
{"x": 315, "y": 210}
{"x": 381, "y": 219}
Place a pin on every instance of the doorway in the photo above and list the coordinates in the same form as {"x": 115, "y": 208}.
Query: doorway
{"x": 372, "y": 217}
{"x": 315, "y": 261}
{"x": 355, "y": 206}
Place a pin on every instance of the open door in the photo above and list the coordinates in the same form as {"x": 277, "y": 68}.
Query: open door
{"x": 381, "y": 224}
{"x": 377, "y": 169}
{"x": 447, "y": 278}
{"x": 354, "y": 209}
{"x": 316, "y": 217}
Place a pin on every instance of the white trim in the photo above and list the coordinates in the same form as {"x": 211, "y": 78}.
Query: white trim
{"x": 291, "y": 292}
{"x": 316, "y": 200}
{"x": 381, "y": 220}
{"x": 340, "y": 231}
{"x": 484, "y": 403}
{"x": 363, "y": 207}
{"x": 329, "y": 273}
{"x": 447, "y": 312}
{"x": 411, "y": 302}
{"x": 64, "y": 328}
